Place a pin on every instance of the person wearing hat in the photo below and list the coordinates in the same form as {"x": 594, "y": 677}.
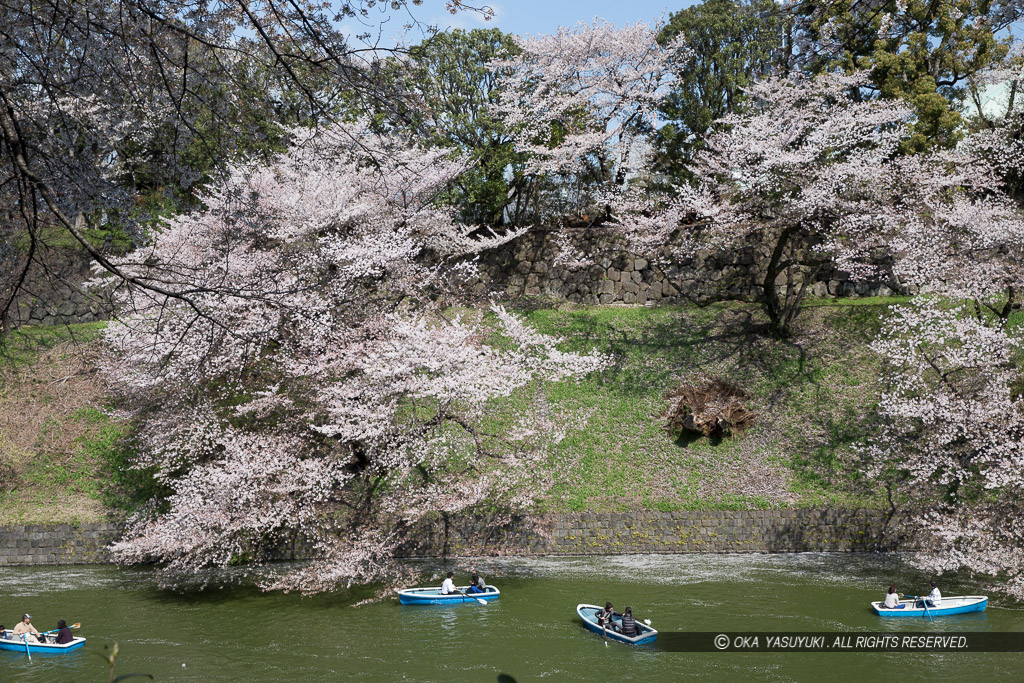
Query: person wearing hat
{"x": 26, "y": 627}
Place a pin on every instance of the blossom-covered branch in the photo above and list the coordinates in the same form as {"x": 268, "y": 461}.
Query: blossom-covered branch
{"x": 318, "y": 386}
{"x": 951, "y": 447}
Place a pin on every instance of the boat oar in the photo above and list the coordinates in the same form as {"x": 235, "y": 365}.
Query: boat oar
{"x": 24, "y": 636}
{"x": 923, "y": 604}
{"x": 77, "y": 624}
{"x": 482, "y": 602}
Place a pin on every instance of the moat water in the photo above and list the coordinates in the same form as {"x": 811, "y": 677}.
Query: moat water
{"x": 531, "y": 633}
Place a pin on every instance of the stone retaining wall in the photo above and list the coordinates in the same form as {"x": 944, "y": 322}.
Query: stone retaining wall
{"x": 530, "y": 266}
{"x": 700, "y": 531}
{"x": 55, "y": 295}
{"x": 38, "y": 544}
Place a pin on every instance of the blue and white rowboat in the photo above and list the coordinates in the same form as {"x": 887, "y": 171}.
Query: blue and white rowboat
{"x": 588, "y": 613}
{"x": 17, "y": 644}
{"x": 433, "y": 596}
{"x": 959, "y": 604}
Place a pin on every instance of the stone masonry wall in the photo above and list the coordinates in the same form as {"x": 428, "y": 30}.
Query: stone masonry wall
{"x": 54, "y": 295}
{"x": 40, "y": 544}
{"x": 529, "y": 266}
{"x": 696, "y": 531}
{"x": 700, "y": 531}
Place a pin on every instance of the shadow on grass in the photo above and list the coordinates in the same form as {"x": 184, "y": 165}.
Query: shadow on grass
{"x": 650, "y": 348}
{"x": 687, "y": 439}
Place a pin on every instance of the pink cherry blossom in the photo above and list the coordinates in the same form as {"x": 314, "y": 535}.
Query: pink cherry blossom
{"x": 317, "y": 384}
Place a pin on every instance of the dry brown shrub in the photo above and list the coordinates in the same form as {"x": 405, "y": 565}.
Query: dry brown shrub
{"x": 707, "y": 406}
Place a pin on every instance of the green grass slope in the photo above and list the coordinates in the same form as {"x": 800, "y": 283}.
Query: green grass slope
{"x": 64, "y": 459}
{"x": 814, "y": 395}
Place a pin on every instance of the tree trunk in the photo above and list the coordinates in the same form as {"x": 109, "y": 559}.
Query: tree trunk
{"x": 778, "y": 325}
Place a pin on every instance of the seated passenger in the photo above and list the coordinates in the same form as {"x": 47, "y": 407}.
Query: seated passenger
{"x": 892, "y": 599}
{"x": 629, "y": 628}
{"x": 448, "y": 587}
{"x": 64, "y": 634}
{"x": 477, "y": 584}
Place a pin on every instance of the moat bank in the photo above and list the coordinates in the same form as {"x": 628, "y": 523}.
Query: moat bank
{"x": 689, "y": 531}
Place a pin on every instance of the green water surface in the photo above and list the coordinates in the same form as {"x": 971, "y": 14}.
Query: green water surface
{"x": 531, "y": 633}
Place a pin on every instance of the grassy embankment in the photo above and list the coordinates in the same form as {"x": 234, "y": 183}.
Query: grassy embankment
{"x": 61, "y": 455}
{"x": 814, "y": 395}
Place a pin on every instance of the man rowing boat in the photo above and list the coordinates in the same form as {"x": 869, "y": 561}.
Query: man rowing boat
{"x": 26, "y": 628}
{"x": 604, "y": 617}
{"x": 934, "y": 598}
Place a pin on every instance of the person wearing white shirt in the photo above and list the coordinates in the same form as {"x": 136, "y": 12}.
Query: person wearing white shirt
{"x": 934, "y": 598}
{"x": 892, "y": 599}
{"x": 448, "y": 587}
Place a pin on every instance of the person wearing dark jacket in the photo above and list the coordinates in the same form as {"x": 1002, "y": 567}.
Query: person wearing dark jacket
{"x": 604, "y": 617}
{"x": 477, "y": 584}
{"x": 64, "y": 634}
{"x": 629, "y": 628}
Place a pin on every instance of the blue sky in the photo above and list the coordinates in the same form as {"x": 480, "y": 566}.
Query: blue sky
{"x": 513, "y": 16}
{"x": 545, "y": 16}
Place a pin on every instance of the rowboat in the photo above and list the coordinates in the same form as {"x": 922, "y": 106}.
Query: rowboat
{"x": 959, "y": 604}
{"x": 588, "y": 613}
{"x": 17, "y": 644}
{"x": 433, "y": 596}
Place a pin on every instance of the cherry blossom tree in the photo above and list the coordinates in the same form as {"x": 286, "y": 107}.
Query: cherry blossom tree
{"x": 582, "y": 102}
{"x": 951, "y": 447}
{"x": 949, "y": 450}
{"x": 958, "y": 233}
{"x": 106, "y": 106}
{"x": 312, "y": 380}
{"x": 999, "y": 114}
{"x": 804, "y": 177}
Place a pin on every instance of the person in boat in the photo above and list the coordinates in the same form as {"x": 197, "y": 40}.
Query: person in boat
{"x": 448, "y": 586}
{"x": 64, "y": 634}
{"x": 604, "y": 617}
{"x": 26, "y": 627}
{"x": 892, "y": 599}
{"x": 629, "y": 627}
{"x": 934, "y": 598}
{"x": 3, "y": 632}
{"x": 477, "y": 584}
